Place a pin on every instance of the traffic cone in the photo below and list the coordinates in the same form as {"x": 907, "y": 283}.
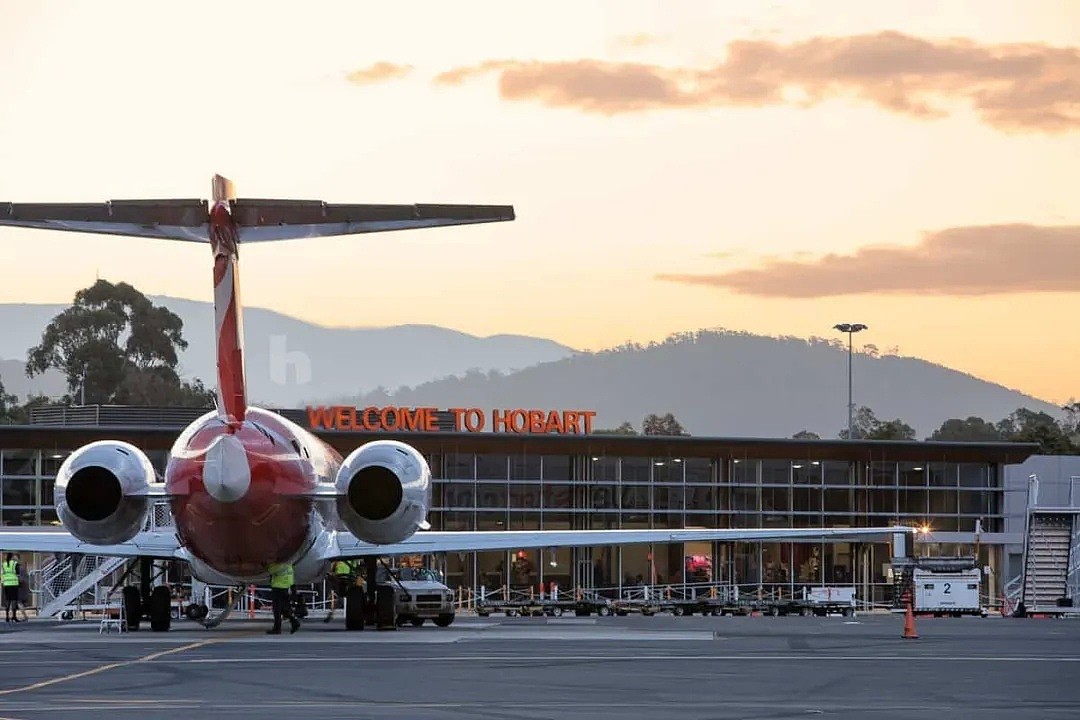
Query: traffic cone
{"x": 909, "y": 625}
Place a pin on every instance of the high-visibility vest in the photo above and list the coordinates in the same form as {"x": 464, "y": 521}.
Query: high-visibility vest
{"x": 281, "y": 576}
{"x": 9, "y": 577}
{"x": 341, "y": 567}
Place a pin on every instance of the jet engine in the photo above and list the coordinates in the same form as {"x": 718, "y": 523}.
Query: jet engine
{"x": 102, "y": 492}
{"x": 384, "y": 492}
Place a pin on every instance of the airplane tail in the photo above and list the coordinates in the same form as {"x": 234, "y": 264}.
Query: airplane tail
{"x": 228, "y": 318}
{"x": 225, "y": 223}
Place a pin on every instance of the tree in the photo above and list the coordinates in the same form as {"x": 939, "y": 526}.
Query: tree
{"x": 865, "y": 426}
{"x": 806, "y": 435}
{"x": 625, "y": 429}
{"x": 116, "y": 347}
{"x": 8, "y": 405}
{"x": 667, "y": 425}
{"x": 1026, "y": 425}
{"x": 973, "y": 429}
{"x": 892, "y": 430}
{"x": 862, "y": 424}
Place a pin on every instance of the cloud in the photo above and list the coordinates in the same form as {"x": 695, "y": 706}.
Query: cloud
{"x": 1013, "y": 87}
{"x": 962, "y": 261}
{"x": 635, "y": 41}
{"x": 379, "y": 72}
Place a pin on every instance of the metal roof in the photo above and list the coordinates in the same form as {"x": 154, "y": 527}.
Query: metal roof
{"x": 67, "y": 437}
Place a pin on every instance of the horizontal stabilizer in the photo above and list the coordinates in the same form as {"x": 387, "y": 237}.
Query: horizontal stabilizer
{"x": 173, "y": 219}
{"x": 262, "y": 220}
{"x": 257, "y": 220}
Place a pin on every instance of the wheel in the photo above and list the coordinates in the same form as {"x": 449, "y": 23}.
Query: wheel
{"x": 417, "y": 621}
{"x": 385, "y": 609}
{"x": 196, "y": 612}
{"x": 354, "y": 609}
{"x": 444, "y": 620}
{"x": 160, "y": 609}
{"x": 132, "y": 607}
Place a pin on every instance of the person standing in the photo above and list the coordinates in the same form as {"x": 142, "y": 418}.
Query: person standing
{"x": 9, "y": 579}
{"x": 281, "y": 583}
{"x": 24, "y": 588}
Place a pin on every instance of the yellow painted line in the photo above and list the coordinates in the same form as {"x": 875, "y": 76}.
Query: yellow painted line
{"x": 109, "y": 666}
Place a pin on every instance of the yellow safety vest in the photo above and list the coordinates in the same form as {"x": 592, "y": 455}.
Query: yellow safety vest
{"x": 10, "y": 577}
{"x": 281, "y": 576}
{"x": 342, "y": 568}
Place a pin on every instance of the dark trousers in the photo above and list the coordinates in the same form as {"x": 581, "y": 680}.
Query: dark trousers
{"x": 280, "y": 599}
{"x": 11, "y": 601}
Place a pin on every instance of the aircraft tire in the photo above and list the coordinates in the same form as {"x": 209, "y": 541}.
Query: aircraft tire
{"x": 160, "y": 609}
{"x": 444, "y": 620}
{"x": 354, "y": 609}
{"x": 385, "y": 615}
{"x": 132, "y": 607}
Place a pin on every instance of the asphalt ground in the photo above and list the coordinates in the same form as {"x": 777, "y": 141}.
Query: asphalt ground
{"x": 598, "y": 668}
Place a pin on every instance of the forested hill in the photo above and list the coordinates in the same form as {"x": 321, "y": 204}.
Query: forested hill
{"x": 290, "y": 362}
{"x": 730, "y": 384}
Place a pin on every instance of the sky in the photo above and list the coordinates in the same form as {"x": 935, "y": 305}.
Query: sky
{"x": 774, "y": 167}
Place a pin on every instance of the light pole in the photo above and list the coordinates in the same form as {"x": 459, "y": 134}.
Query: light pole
{"x": 850, "y": 329}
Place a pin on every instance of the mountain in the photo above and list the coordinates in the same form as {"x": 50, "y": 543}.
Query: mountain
{"x": 291, "y": 362}
{"x": 13, "y": 373}
{"x": 730, "y": 384}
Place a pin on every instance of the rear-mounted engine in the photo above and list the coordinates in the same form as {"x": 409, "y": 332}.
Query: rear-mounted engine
{"x": 102, "y": 492}
{"x": 384, "y": 492}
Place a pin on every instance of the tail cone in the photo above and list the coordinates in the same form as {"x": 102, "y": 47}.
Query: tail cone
{"x": 909, "y": 624}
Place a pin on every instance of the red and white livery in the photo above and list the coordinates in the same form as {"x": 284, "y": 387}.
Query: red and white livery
{"x": 247, "y": 487}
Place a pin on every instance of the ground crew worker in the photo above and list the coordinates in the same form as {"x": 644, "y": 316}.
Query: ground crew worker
{"x": 9, "y": 578}
{"x": 342, "y": 572}
{"x": 281, "y": 583}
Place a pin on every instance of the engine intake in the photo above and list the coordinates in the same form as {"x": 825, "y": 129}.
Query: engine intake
{"x": 384, "y": 492}
{"x": 101, "y": 492}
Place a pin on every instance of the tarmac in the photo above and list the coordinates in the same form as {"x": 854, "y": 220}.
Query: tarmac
{"x": 690, "y": 668}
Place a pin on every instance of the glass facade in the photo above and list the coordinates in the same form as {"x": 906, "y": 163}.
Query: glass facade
{"x": 502, "y": 491}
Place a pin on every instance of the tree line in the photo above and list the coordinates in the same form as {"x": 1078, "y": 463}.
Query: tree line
{"x": 1054, "y": 437}
{"x": 114, "y": 347}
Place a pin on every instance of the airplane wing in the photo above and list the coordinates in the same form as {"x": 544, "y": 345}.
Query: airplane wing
{"x": 45, "y": 540}
{"x": 347, "y": 546}
{"x": 257, "y": 220}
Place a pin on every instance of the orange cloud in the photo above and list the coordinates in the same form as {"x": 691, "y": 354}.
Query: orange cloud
{"x": 379, "y": 72}
{"x": 963, "y": 261}
{"x": 1013, "y": 87}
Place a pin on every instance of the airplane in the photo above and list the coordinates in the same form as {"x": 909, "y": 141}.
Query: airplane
{"x": 248, "y": 488}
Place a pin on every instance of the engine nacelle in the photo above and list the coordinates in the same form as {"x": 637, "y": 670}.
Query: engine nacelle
{"x": 384, "y": 492}
{"x": 101, "y": 492}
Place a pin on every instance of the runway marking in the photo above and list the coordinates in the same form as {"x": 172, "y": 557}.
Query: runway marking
{"x": 109, "y": 666}
{"x": 619, "y": 658}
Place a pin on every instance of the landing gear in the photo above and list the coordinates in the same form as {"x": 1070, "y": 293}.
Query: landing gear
{"x": 145, "y": 602}
{"x": 160, "y": 609}
{"x": 354, "y": 608}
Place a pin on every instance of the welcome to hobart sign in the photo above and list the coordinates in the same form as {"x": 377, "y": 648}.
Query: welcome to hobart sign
{"x": 428, "y": 419}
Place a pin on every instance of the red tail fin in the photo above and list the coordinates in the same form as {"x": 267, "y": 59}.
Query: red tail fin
{"x": 224, "y": 240}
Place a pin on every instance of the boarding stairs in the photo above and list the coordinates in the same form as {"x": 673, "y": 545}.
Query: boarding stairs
{"x": 1046, "y": 565}
{"x": 63, "y": 583}
{"x": 83, "y": 582}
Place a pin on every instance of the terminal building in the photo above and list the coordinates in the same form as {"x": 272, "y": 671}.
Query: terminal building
{"x": 967, "y": 499}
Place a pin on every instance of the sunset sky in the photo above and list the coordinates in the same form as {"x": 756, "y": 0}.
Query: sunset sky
{"x": 776, "y": 167}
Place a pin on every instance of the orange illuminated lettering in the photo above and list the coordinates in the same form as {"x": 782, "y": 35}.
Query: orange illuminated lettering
{"x": 474, "y": 420}
{"x": 554, "y": 423}
{"x": 536, "y": 421}
{"x": 570, "y": 421}
{"x": 589, "y": 415}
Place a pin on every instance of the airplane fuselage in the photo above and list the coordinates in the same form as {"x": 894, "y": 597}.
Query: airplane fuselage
{"x": 242, "y": 496}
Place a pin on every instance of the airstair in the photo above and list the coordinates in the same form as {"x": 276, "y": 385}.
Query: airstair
{"x": 72, "y": 583}
{"x": 1050, "y": 551}
{"x": 76, "y": 580}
